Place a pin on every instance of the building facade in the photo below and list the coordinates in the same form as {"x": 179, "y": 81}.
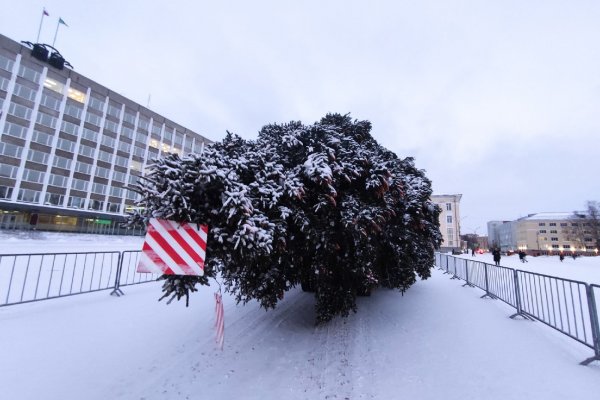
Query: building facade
{"x": 70, "y": 147}
{"x": 449, "y": 220}
{"x": 545, "y": 233}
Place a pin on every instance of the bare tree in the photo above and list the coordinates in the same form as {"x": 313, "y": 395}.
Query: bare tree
{"x": 585, "y": 226}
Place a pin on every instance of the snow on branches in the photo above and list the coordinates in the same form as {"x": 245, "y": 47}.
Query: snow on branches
{"x": 323, "y": 205}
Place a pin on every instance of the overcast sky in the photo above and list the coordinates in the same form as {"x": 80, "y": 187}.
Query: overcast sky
{"x": 497, "y": 100}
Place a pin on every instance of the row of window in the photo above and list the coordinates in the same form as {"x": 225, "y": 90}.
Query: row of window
{"x": 75, "y": 111}
{"x": 563, "y": 224}
{"x": 33, "y": 196}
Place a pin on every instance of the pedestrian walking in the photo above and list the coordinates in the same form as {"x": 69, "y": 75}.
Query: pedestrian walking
{"x": 561, "y": 257}
{"x": 523, "y": 256}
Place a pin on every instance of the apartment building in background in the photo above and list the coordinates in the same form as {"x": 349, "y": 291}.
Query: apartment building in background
{"x": 544, "y": 233}
{"x": 449, "y": 220}
{"x": 70, "y": 147}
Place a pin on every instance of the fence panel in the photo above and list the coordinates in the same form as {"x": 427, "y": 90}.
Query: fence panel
{"x": 33, "y": 277}
{"x": 559, "y": 303}
{"x": 129, "y": 274}
{"x": 501, "y": 284}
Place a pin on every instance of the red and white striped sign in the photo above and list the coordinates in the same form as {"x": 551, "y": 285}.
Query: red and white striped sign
{"x": 173, "y": 248}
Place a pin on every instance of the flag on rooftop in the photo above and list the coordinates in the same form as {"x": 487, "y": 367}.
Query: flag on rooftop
{"x": 60, "y": 21}
{"x": 46, "y": 13}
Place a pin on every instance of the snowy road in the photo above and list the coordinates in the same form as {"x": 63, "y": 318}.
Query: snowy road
{"x": 438, "y": 341}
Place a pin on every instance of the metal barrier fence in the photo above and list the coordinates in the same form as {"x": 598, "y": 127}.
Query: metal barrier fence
{"x": 571, "y": 307}
{"x": 26, "y": 278}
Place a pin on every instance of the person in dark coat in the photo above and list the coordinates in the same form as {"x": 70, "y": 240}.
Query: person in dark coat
{"x": 561, "y": 257}
{"x": 496, "y": 254}
{"x": 522, "y": 256}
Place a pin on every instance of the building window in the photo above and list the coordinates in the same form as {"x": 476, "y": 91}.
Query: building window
{"x": 102, "y": 172}
{"x": 96, "y": 104}
{"x": 138, "y": 151}
{"x": 50, "y": 102}
{"x": 37, "y": 156}
{"x": 114, "y": 110}
{"x": 555, "y": 246}
{"x": 62, "y": 162}
{"x": 567, "y": 246}
{"x": 54, "y": 199}
{"x": 111, "y": 126}
{"x": 31, "y": 175}
{"x": 563, "y": 224}
{"x": 542, "y": 224}
{"x": 83, "y": 168}
{"x": 65, "y": 145}
{"x": 127, "y": 132}
{"x": 25, "y": 92}
{"x": 449, "y": 219}
{"x": 5, "y": 192}
{"x": 89, "y": 135}
{"x": 116, "y": 191}
{"x": 93, "y": 119}
{"x": 79, "y": 184}
{"x": 98, "y": 188}
{"x": 553, "y": 231}
{"x": 124, "y": 147}
{"x": 96, "y": 204}
{"x": 118, "y": 176}
{"x": 10, "y": 150}
{"x": 8, "y": 171}
{"x": 73, "y": 111}
{"x": 28, "y": 196}
{"x": 113, "y": 207}
{"x": 20, "y": 111}
{"x": 121, "y": 161}
{"x": 542, "y": 231}
{"x": 554, "y": 239}
{"x": 552, "y": 224}
{"x": 29, "y": 74}
{"x": 108, "y": 141}
{"x": 76, "y": 202}
{"x": 58, "y": 181}
{"x": 129, "y": 118}
{"x": 15, "y": 130}
{"x": 86, "y": 150}
{"x": 6, "y": 63}
{"x": 76, "y": 95}
{"x": 46, "y": 120}
{"x": 54, "y": 85}
{"x": 105, "y": 156}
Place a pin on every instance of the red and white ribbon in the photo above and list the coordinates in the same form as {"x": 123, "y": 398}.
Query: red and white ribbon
{"x": 219, "y": 321}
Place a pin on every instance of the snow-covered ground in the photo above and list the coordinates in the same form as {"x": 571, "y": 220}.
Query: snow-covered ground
{"x": 438, "y": 341}
{"x": 25, "y": 242}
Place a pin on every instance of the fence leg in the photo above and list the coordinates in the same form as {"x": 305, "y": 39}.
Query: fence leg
{"x": 519, "y": 312}
{"x": 595, "y": 325}
{"x": 447, "y": 268}
{"x": 467, "y": 283}
{"x": 454, "y": 262}
{"x": 487, "y": 285}
{"x": 116, "y": 291}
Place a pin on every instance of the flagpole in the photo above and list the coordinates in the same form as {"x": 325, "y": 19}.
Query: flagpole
{"x": 40, "y": 29}
{"x": 56, "y": 33}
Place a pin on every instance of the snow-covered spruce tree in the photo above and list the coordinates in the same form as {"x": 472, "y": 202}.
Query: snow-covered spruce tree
{"x": 324, "y": 205}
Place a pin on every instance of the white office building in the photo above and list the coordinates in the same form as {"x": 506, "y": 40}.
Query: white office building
{"x": 69, "y": 147}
